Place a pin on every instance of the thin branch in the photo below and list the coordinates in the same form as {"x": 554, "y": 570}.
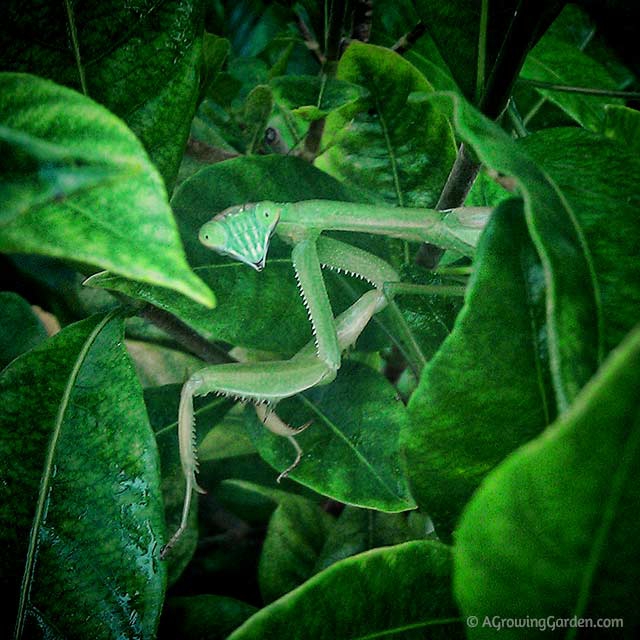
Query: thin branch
{"x": 332, "y": 55}
{"x": 361, "y": 25}
{"x": 76, "y": 45}
{"x": 588, "y": 91}
{"x": 407, "y": 41}
{"x": 186, "y": 336}
{"x": 310, "y": 42}
{"x": 204, "y": 152}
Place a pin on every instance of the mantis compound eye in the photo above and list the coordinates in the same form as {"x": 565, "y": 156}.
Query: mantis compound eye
{"x": 213, "y": 235}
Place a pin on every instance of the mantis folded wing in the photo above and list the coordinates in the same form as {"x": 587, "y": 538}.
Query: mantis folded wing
{"x": 244, "y": 233}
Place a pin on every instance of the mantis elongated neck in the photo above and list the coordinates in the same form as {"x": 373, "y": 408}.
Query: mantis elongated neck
{"x": 456, "y": 229}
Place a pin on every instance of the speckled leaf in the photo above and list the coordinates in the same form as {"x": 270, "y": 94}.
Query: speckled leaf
{"x": 318, "y": 95}
{"x": 402, "y": 152}
{"x": 551, "y": 532}
{"x": 350, "y": 452}
{"x": 140, "y": 59}
{"x": 487, "y": 390}
{"x": 295, "y": 536}
{"x": 20, "y": 328}
{"x": 121, "y": 219}
{"x": 80, "y": 505}
{"x": 400, "y": 592}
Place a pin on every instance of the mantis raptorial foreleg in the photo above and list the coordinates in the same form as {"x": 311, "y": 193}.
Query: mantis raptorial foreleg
{"x": 244, "y": 233}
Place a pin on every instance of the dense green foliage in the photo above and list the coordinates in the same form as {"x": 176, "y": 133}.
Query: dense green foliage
{"x": 473, "y": 470}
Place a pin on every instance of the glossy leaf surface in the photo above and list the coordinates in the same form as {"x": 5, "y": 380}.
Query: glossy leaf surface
{"x": 116, "y": 213}
{"x": 403, "y": 152}
{"x": 81, "y": 509}
{"x": 487, "y": 390}
{"x": 140, "y": 60}
{"x": 350, "y": 451}
{"x": 350, "y": 600}
{"x": 550, "y": 531}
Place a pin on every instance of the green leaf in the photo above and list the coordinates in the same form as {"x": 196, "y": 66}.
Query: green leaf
{"x": 402, "y": 152}
{"x": 350, "y": 451}
{"x": 455, "y": 28}
{"x": 574, "y": 317}
{"x": 37, "y": 173}
{"x": 80, "y": 506}
{"x": 295, "y": 536}
{"x": 357, "y": 530}
{"x": 202, "y": 616}
{"x": 257, "y": 110}
{"x": 140, "y": 60}
{"x": 551, "y": 531}
{"x": 256, "y": 310}
{"x": 592, "y": 174}
{"x": 119, "y": 219}
{"x": 555, "y": 61}
{"x": 622, "y": 124}
{"x": 400, "y": 592}
{"x": 487, "y": 390}
{"x": 319, "y": 95}
{"x": 20, "y": 328}
{"x": 392, "y": 21}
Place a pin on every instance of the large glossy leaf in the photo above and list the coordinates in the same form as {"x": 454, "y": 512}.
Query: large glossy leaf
{"x": 400, "y": 592}
{"x": 80, "y": 505}
{"x": 141, "y": 60}
{"x": 351, "y": 449}
{"x": 552, "y": 530}
{"x": 256, "y": 310}
{"x": 295, "y": 536}
{"x": 555, "y": 61}
{"x": 487, "y": 390}
{"x": 574, "y": 312}
{"x": 402, "y": 152}
{"x": 20, "y": 328}
{"x": 593, "y": 176}
{"x": 115, "y": 214}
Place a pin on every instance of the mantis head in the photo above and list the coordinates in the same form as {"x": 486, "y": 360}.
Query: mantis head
{"x": 242, "y": 232}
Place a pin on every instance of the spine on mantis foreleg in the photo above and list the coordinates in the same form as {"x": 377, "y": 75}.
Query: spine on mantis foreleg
{"x": 456, "y": 229}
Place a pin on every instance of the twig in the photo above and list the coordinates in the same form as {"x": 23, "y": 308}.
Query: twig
{"x": 588, "y": 91}
{"x": 459, "y": 183}
{"x": 206, "y": 153}
{"x": 186, "y": 336}
{"x": 361, "y": 25}
{"x": 332, "y": 55}
{"x": 310, "y": 42}
{"x": 409, "y": 39}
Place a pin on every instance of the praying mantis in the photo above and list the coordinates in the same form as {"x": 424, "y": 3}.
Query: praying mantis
{"x": 243, "y": 232}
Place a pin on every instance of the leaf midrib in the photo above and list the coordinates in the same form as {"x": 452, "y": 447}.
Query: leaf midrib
{"x": 47, "y": 474}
